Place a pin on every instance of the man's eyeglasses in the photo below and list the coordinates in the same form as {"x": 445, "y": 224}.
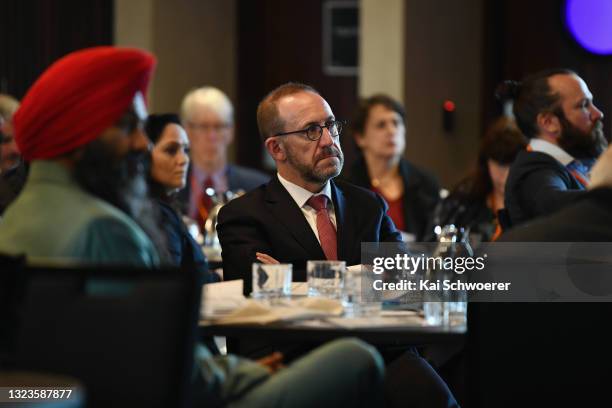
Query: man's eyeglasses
{"x": 314, "y": 132}
{"x": 208, "y": 127}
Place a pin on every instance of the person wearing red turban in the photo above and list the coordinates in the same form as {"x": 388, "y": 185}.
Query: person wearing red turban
{"x": 80, "y": 128}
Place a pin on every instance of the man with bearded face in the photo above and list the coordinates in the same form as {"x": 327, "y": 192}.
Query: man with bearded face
{"x": 302, "y": 213}
{"x": 555, "y": 110}
{"x": 80, "y": 128}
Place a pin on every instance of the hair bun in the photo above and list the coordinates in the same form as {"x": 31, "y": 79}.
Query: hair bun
{"x": 507, "y": 90}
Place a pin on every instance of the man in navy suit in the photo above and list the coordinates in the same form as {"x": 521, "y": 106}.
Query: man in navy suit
{"x": 282, "y": 221}
{"x": 302, "y": 214}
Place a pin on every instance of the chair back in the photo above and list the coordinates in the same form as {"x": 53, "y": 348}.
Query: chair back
{"x": 127, "y": 334}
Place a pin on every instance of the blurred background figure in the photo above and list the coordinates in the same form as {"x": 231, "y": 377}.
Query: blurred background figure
{"x": 13, "y": 171}
{"x": 554, "y": 108}
{"x": 208, "y": 117}
{"x": 379, "y": 129}
{"x": 85, "y": 199}
{"x": 9, "y": 153}
{"x": 473, "y": 204}
{"x": 168, "y": 175}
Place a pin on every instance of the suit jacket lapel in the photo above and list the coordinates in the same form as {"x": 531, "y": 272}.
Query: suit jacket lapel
{"x": 344, "y": 230}
{"x": 284, "y": 208}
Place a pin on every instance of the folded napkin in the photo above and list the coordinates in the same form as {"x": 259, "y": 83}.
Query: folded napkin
{"x": 261, "y": 312}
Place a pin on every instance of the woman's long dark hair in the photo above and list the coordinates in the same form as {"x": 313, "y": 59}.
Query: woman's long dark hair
{"x": 154, "y": 128}
{"x": 501, "y": 143}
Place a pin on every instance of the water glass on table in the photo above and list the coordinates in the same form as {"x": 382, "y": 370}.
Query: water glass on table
{"x": 358, "y": 298}
{"x": 271, "y": 281}
{"x": 326, "y": 278}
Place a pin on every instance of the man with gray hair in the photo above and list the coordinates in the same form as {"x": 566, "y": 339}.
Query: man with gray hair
{"x": 208, "y": 116}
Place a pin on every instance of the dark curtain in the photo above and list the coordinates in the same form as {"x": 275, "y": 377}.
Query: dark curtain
{"x": 281, "y": 41}
{"x": 34, "y": 33}
{"x": 525, "y": 36}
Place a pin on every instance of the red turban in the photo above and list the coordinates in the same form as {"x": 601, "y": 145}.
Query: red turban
{"x": 78, "y": 97}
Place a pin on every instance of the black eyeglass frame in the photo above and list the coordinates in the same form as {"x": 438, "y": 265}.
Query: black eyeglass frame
{"x": 338, "y": 123}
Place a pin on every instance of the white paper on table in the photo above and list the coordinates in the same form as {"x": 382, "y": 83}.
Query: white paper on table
{"x": 257, "y": 312}
{"x": 222, "y": 298}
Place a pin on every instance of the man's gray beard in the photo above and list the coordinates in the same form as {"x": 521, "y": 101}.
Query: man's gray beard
{"x": 311, "y": 175}
{"x": 122, "y": 183}
{"x": 582, "y": 145}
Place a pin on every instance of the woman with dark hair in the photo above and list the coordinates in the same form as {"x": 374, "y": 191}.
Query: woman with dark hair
{"x": 474, "y": 203}
{"x": 169, "y": 162}
{"x": 411, "y": 193}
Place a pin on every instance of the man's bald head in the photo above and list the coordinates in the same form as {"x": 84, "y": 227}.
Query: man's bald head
{"x": 269, "y": 120}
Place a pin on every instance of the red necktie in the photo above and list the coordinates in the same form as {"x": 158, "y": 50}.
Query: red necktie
{"x": 204, "y": 203}
{"x": 327, "y": 232}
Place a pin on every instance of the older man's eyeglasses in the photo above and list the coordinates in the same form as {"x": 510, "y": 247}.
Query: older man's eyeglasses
{"x": 208, "y": 127}
{"x": 314, "y": 132}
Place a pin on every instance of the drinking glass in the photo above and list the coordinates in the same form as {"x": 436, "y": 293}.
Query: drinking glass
{"x": 326, "y": 278}
{"x": 271, "y": 280}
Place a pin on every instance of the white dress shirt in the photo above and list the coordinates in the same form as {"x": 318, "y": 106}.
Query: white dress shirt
{"x": 300, "y": 195}
{"x": 542, "y": 146}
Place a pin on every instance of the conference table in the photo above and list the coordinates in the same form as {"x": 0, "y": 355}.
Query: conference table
{"x": 389, "y": 327}
{"x": 322, "y": 331}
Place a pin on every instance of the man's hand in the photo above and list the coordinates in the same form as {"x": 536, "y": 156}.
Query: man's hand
{"x": 272, "y": 362}
{"x": 265, "y": 258}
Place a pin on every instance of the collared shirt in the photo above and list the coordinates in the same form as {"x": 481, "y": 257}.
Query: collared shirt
{"x": 198, "y": 177}
{"x": 543, "y": 146}
{"x": 580, "y": 169}
{"x": 300, "y": 195}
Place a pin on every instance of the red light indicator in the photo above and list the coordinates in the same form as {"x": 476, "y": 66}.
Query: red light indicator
{"x": 449, "y": 106}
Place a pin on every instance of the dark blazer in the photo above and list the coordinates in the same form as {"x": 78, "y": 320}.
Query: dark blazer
{"x": 421, "y": 193}
{"x": 238, "y": 178}
{"x": 538, "y": 185}
{"x": 183, "y": 250}
{"x": 268, "y": 220}
{"x": 588, "y": 219}
{"x": 556, "y": 340}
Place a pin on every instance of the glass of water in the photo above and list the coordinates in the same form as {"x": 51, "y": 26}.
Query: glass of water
{"x": 271, "y": 281}
{"x": 359, "y": 300}
{"x": 326, "y": 278}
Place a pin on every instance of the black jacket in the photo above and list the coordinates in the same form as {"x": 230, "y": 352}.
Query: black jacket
{"x": 556, "y": 339}
{"x": 268, "y": 220}
{"x": 538, "y": 185}
{"x": 183, "y": 250}
{"x": 421, "y": 194}
{"x": 588, "y": 219}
